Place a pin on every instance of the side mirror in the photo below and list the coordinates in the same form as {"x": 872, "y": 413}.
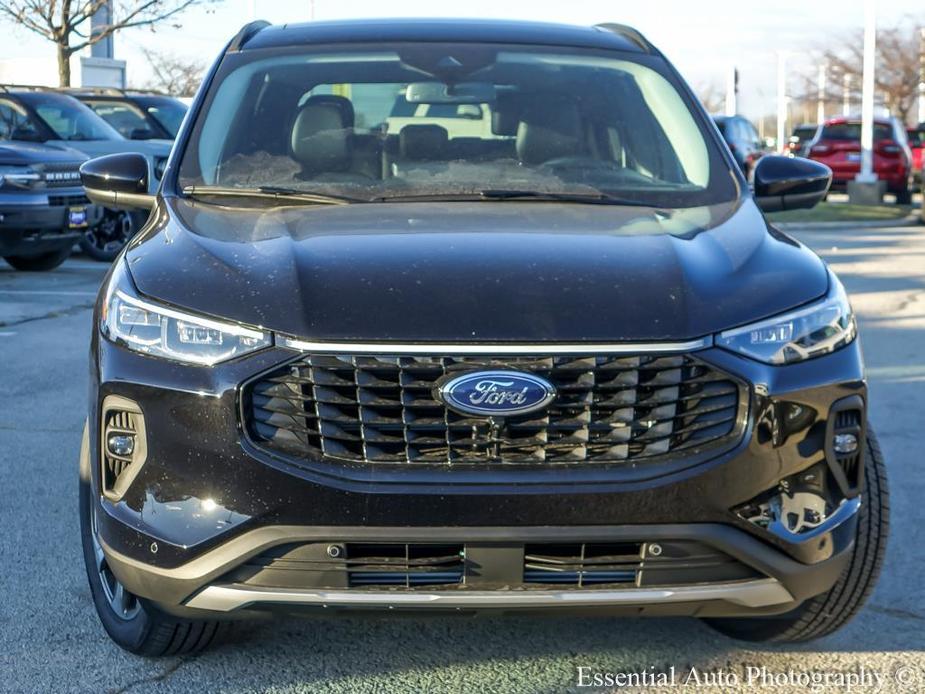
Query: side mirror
{"x": 118, "y": 180}
{"x": 787, "y": 183}
{"x": 141, "y": 134}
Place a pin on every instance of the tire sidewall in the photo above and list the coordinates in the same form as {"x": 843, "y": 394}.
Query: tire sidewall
{"x": 39, "y": 263}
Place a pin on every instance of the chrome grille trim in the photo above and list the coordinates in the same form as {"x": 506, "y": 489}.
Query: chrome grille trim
{"x": 399, "y": 349}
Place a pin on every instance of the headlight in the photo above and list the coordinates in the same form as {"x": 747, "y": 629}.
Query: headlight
{"x": 143, "y": 326}
{"x": 18, "y": 175}
{"x": 802, "y": 334}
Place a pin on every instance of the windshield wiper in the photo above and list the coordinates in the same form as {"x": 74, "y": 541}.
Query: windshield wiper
{"x": 272, "y": 193}
{"x": 501, "y": 194}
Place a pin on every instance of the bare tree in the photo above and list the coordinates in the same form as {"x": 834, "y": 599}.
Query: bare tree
{"x": 897, "y": 68}
{"x": 173, "y": 74}
{"x": 66, "y": 22}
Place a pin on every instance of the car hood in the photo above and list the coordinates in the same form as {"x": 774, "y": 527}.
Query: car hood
{"x": 97, "y": 148}
{"x": 27, "y": 153}
{"x": 481, "y": 271}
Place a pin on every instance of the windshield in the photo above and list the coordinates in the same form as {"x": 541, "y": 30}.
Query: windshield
{"x": 454, "y": 119}
{"x": 68, "y": 118}
{"x": 852, "y": 132}
{"x": 124, "y": 117}
{"x": 167, "y": 112}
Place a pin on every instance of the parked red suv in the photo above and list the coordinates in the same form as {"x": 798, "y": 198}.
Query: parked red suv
{"x": 916, "y": 138}
{"x": 838, "y": 145}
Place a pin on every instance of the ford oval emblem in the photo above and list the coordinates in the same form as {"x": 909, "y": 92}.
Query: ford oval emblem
{"x": 496, "y": 393}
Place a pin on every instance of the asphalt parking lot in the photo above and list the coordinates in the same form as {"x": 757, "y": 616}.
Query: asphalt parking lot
{"x": 50, "y": 639}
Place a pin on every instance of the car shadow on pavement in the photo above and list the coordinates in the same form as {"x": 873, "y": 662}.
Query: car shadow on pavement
{"x": 515, "y": 653}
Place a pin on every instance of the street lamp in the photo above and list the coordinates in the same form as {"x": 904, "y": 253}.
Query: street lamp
{"x": 866, "y": 189}
{"x": 820, "y": 105}
{"x": 781, "y": 99}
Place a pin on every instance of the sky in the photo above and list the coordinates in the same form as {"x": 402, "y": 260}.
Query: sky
{"x": 703, "y": 38}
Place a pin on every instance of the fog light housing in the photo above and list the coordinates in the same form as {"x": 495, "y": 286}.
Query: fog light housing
{"x": 123, "y": 445}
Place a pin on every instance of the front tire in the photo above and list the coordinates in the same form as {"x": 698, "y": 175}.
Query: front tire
{"x": 830, "y": 611}
{"x": 39, "y": 263}
{"x": 132, "y": 622}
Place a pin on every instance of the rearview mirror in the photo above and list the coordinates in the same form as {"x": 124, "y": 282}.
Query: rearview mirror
{"x": 438, "y": 93}
{"x": 790, "y": 183}
{"x": 118, "y": 180}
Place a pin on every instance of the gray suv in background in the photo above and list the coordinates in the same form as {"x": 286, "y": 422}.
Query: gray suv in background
{"x": 56, "y": 119}
{"x": 43, "y": 208}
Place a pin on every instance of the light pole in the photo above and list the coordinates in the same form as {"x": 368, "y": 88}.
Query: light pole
{"x": 867, "y": 174}
{"x": 781, "y": 99}
{"x": 846, "y": 96}
{"x": 732, "y": 91}
{"x": 820, "y": 105}
{"x": 922, "y": 75}
{"x": 865, "y": 189}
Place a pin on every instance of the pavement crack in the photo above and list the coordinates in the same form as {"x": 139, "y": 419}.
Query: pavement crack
{"x": 152, "y": 679}
{"x": 70, "y": 311}
{"x": 897, "y": 612}
{"x": 909, "y": 299}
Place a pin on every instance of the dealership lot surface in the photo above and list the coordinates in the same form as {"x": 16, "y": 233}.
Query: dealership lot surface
{"x": 50, "y": 639}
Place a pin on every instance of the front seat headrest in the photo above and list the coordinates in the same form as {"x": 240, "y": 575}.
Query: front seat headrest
{"x": 341, "y": 102}
{"x": 549, "y": 131}
{"x": 422, "y": 142}
{"x": 320, "y": 139}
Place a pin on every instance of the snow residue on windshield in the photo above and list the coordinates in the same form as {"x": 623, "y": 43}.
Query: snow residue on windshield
{"x": 408, "y": 178}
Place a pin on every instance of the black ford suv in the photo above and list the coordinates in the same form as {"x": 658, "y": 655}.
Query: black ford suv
{"x": 469, "y": 316}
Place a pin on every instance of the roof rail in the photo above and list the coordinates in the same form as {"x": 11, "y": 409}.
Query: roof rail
{"x": 248, "y": 31}
{"x": 8, "y": 87}
{"x": 115, "y": 91}
{"x": 111, "y": 91}
{"x": 629, "y": 33}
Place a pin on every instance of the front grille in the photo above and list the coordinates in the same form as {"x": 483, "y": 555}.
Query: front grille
{"x": 381, "y": 409}
{"x": 60, "y": 175}
{"x": 67, "y": 200}
{"x": 582, "y": 564}
{"x": 404, "y": 565}
{"x": 345, "y": 565}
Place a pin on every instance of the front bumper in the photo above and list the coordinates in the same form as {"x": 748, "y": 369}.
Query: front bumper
{"x": 37, "y": 222}
{"x": 206, "y": 502}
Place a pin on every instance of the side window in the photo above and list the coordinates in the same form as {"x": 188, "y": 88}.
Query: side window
{"x": 15, "y": 124}
{"x": 6, "y": 120}
{"x": 470, "y": 111}
{"x": 742, "y": 133}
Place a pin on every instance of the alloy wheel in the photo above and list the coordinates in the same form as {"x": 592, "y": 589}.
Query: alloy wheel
{"x": 113, "y": 231}
{"x": 124, "y": 604}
